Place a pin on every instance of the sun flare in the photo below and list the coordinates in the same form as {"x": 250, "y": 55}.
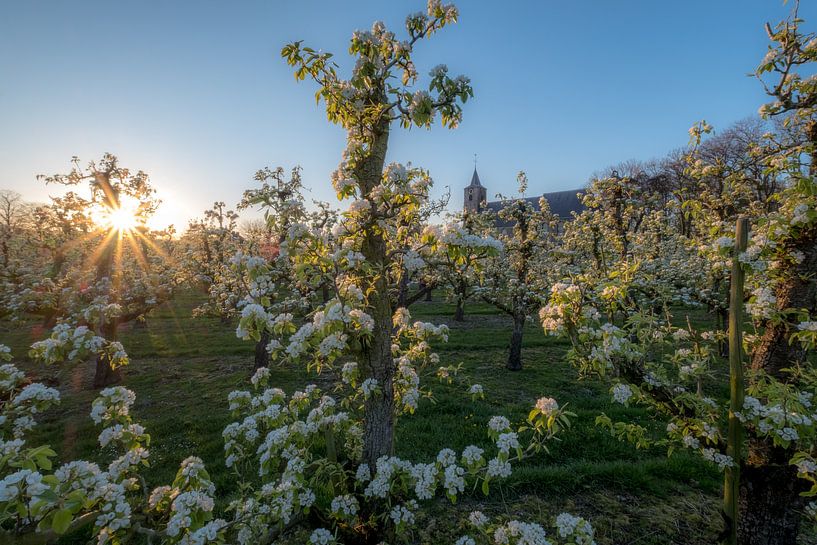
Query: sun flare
{"x": 125, "y": 218}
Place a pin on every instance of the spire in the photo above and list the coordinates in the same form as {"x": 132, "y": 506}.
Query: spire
{"x": 475, "y": 178}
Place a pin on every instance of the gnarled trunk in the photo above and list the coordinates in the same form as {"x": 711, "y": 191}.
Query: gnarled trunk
{"x": 515, "y": 355}
{"x": 261, "y": 354}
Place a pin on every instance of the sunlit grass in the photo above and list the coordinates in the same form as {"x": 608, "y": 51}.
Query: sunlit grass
{"x": 183, "y": 368}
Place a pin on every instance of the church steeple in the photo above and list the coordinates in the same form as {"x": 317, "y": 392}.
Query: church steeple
{"x": 475, "y": 179}
{"x": 475, "y": 193}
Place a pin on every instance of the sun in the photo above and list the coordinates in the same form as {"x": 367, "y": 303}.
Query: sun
{"x": 125, "y": 218}
{"x": 122, "y": 220}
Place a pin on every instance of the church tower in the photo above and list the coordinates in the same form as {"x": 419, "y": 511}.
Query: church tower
{"x": 475, "y": 195}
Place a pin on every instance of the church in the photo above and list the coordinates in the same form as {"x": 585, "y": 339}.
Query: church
{"x": 562, "y": 203}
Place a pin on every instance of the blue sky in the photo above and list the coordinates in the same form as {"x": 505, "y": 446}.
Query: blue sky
{"x": 195, "y": 93}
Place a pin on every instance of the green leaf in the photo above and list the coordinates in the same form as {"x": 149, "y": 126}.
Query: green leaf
{"x": 49, "y": 495}
{"x": 62, "y": 520}
{"x": 43, "y": 462}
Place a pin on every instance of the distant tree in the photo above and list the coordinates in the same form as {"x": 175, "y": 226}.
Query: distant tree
{"x": 262, "y": 276}
{"x": 515, "y": 279}
{"x": 414, "y": 265}
{"x": 15, "y": 220}
{"x": 460, "y": 260}
{"x": 210, "y": 242}
{"x": 212, "y": 239}
{"x": 255, "y": 233}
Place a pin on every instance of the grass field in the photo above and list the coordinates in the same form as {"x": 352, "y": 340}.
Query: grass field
{"x": 183, "y": 368}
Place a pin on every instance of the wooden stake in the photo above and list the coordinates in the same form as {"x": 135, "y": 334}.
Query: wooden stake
{"x": 731, "y": 484}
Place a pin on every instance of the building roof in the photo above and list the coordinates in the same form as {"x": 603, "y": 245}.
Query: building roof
{"x": 562, "y": 204}
{"x": 475, "y": 179}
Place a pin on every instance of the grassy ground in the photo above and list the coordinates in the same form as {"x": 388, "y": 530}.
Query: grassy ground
{"x": 183, "y": 368}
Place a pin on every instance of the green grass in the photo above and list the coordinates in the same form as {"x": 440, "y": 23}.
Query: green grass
{"x": 182, "y": 369}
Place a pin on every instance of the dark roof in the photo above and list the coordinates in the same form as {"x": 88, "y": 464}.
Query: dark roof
{"x": 475, "y": 179}
{"x": 562, "y": 204}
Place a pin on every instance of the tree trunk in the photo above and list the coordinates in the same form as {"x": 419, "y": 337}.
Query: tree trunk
{"x": 261, "y": 354}
{"x": 402, "y": 291}
{"x": 429, "y": 296}
{"x": 49, "y": 319}
{"x": 459, "y": 311}
{"x": 770, "y": 503}
{"x": 515, "y": 356}
{"x": 105, "y": 375}
{"x": 459, "y": 295}
{"x": 376, "y": 358}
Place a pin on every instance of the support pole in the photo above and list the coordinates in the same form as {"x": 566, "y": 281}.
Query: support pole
{"x": 731, "y": 484}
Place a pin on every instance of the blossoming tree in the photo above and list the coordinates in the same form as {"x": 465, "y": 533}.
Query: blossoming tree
{"x": 107, "y": 267}
{"x": 377, "y": 95}
{"x": 516, "y": 277}
{"x": 209, "y": 243}
{"x": 260, "y": 280}
{"x": 460, "y": 258}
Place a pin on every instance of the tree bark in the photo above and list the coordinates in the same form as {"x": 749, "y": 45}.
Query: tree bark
{"x": 770, "y": 503}
{"x": 105, "y": 375}
{"x": 775, "y": 352}
{"x": 261, "y": 354}
{"x": 402, "y": 291}
{"x": 376, "y": 357}
{"x": 515, "y": 355}
{"x": 459, "y": 294}
{"x": 459, "y": 310}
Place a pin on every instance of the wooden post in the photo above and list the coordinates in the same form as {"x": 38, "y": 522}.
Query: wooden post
{"x": 731, "y": 483}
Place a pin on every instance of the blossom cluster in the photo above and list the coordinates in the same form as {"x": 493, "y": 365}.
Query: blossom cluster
{"x": 782, "y": 420}
{"x": 72, "y": 343}
{"x": 569, "y": 529}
